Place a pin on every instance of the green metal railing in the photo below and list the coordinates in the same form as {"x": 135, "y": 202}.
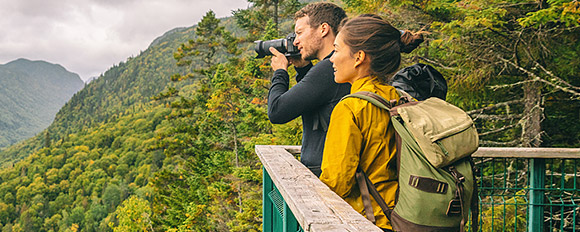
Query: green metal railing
{"x": 520, "y": 189}
{"x": 519, "y": 193}
{"x": 277, "y": 214}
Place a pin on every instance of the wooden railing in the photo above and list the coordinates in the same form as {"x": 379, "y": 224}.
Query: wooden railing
{"x": 313, "y": 205}
{"x": 296, "y": 200}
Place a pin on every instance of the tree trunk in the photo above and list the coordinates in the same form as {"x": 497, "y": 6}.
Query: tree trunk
{"x": 276, "y": 14}
{"x": 237, "y": 166}
{"x": 236, "y": 145}
{"x": 531, "y": 128}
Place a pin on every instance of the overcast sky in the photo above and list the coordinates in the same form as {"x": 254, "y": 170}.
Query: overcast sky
{"x": 89, "y": 36}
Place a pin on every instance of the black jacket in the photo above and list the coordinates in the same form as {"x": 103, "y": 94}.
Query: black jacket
{"x": 313, "y": 97}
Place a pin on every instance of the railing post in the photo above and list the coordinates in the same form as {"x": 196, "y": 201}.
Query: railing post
{"x": 267, "y": 206}
{"x": 290, "y": 223}
{"x": 536, "y": 210}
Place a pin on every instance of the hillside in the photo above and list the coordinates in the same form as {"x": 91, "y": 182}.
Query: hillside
{"x": 31, "y": 93}
{"x": 98, "y": 148}
{"x": 123, "y": 88}
{"x": 116, "y": 136}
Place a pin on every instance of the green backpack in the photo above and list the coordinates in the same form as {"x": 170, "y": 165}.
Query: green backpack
{"x": 436, "y": 181}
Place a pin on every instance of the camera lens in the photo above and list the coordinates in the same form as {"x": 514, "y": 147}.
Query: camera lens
{"x": 284, "y": 46}
{"x": 263, "y": 47}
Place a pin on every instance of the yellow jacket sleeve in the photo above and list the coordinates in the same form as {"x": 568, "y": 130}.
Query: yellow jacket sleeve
{"x": 341, "y": 150}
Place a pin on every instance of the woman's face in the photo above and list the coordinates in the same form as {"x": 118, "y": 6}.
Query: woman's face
{"x": 343, "y": 62}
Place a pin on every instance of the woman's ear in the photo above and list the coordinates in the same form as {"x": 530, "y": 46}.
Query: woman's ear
{"x": 359, "y": 57}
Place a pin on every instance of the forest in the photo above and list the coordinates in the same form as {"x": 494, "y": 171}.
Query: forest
{"x": 164, "y": 141}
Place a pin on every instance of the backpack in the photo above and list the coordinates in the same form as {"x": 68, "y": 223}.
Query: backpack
{"x": 437, "y": 184}
{"x": 421, "y": 81}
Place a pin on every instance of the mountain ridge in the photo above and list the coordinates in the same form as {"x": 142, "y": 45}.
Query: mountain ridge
{"x": 122, "y": 87}
{"x": 31, "y": 93}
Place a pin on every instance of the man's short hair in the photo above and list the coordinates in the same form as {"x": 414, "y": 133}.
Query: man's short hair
{"x": 322, "y": 12}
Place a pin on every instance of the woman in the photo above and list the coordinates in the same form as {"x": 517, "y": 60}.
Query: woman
{"x": 367, "y": 54}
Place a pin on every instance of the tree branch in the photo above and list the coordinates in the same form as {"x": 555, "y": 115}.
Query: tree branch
{"x": 499, "y": 129}
{"x": 537, "y": 78}
{"x": 501, "y": 104}
{"x": 496, "y": 87}
{"x": 438, "y": 64}
{"x": 558, "y": 79}
{"x": 505, "y": 5}
{"x": 555, "y": 78}
{"x": 497, "y": 117}
{"x": 512, "y": 143}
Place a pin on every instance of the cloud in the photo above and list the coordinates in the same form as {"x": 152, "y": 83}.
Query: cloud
{"x": 89, "y": 36}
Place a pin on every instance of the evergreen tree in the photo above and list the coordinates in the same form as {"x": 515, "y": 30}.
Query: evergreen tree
{"x": 506, "y": 63}
{"x": 252, "y": 19}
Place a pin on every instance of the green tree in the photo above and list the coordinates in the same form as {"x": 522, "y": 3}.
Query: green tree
{"x": 278, "y": 11}
{"x": 112, "y": 195}
{"x": 47, "y": 140}
{"x": 7, "y": 212}
{"x": 211, "y": 39}
{"x": 134, "y": 214}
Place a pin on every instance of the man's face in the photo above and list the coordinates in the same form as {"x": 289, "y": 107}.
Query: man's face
{"x": 307, "y": 40}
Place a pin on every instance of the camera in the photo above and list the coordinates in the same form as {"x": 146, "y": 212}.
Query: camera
{"x": 285, "y": 46}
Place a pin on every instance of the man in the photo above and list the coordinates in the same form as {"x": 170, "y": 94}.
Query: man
{"x": 315, "y": 94}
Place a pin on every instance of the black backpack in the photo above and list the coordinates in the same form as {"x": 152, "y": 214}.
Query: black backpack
{"x": 421, "y": 81}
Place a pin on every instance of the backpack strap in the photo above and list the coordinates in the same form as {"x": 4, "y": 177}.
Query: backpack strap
{"x": 364, "y": 192}
{"x": 373, "y": 192}
{"x": 373, "y": 98}
{"x": 404, "y": 96}
{"x": 474, "y": 198}
{"x": 380, "y": 101}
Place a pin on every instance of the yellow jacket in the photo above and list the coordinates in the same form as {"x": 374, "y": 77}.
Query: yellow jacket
{"x": 357, "y": 125}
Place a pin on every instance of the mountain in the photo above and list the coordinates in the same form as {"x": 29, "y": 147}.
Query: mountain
{"x": 122, "y": 88}
{"x": 31, "y": 93}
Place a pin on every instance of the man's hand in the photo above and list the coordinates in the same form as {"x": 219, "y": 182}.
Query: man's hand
{"x": 279, "y": 61}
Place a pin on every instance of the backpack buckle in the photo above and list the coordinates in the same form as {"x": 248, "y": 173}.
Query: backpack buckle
{"x": 454, "y": 208}
{"x": 456, "y": 175}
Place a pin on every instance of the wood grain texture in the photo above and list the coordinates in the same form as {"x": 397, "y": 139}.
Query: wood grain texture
{"x": 508, "y": 152}
{"x": 525, "y": 152}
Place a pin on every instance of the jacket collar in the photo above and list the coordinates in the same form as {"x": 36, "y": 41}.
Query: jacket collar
{"x": 358, "y": 84}
{"x": 329, "y": 55}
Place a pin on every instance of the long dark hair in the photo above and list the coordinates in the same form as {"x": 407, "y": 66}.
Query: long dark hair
{"x": 382, "y": 42}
